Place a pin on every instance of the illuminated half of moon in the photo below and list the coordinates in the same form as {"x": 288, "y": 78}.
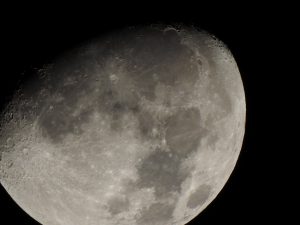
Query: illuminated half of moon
{"x": 142, "y": 126}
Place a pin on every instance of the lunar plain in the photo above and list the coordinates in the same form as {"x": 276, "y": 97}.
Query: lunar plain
{"x": 141, "y": 126}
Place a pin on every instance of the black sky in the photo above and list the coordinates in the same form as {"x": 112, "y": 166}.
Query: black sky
{"x": 32, "y": 36}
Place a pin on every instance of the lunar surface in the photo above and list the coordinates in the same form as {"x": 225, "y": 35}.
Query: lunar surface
{"x": 141, "y": 126}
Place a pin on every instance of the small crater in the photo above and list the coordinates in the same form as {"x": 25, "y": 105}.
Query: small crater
{"x": 9, "y": 143}
{"x": 199, "y": 61}
{"x": 114, "y": 78}
{"x": 171, "y": 34}
{"x": 199, "y": 196}
{"x": 10, "y": 164}
{"x": 118, "y": 107}
{"x": 156, "y": 214}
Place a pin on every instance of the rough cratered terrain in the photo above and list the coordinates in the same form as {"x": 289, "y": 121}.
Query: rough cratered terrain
{"x": 142, "y": 126}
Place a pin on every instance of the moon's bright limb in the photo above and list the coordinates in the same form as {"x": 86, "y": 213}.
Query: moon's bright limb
{"x": 140, "y": 127}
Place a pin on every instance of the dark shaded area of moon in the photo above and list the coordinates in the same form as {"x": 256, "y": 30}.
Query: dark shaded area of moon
{"x": 199, "y": 196}
{"x": 154, "y": 54}
{"x": 184, "y": 132}
{"x": 118, "y": 205}
{"x": 161, "y": 171}
{"x": 135, "y": 127}
{"x": 157, "y": 213}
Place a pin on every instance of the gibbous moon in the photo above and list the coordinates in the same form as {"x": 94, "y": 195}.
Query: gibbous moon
{"x": 141, "y": 126}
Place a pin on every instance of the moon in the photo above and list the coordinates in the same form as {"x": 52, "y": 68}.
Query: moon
{"x": 140, "y": 126}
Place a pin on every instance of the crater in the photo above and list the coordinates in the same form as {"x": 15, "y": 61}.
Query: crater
{"x": 199, "y": 196}
{"x": 184, "y": 132}
{"x": 199, "y": 61}
{"x": 156, "y": 214}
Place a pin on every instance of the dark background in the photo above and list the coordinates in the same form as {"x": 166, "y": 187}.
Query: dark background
{"x": 32, "y": 36}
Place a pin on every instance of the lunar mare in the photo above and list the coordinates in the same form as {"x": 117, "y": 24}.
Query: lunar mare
{"x": 142, "y": 126}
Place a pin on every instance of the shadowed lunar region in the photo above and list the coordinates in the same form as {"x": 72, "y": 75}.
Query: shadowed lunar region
{"x": 141, "y": 126}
